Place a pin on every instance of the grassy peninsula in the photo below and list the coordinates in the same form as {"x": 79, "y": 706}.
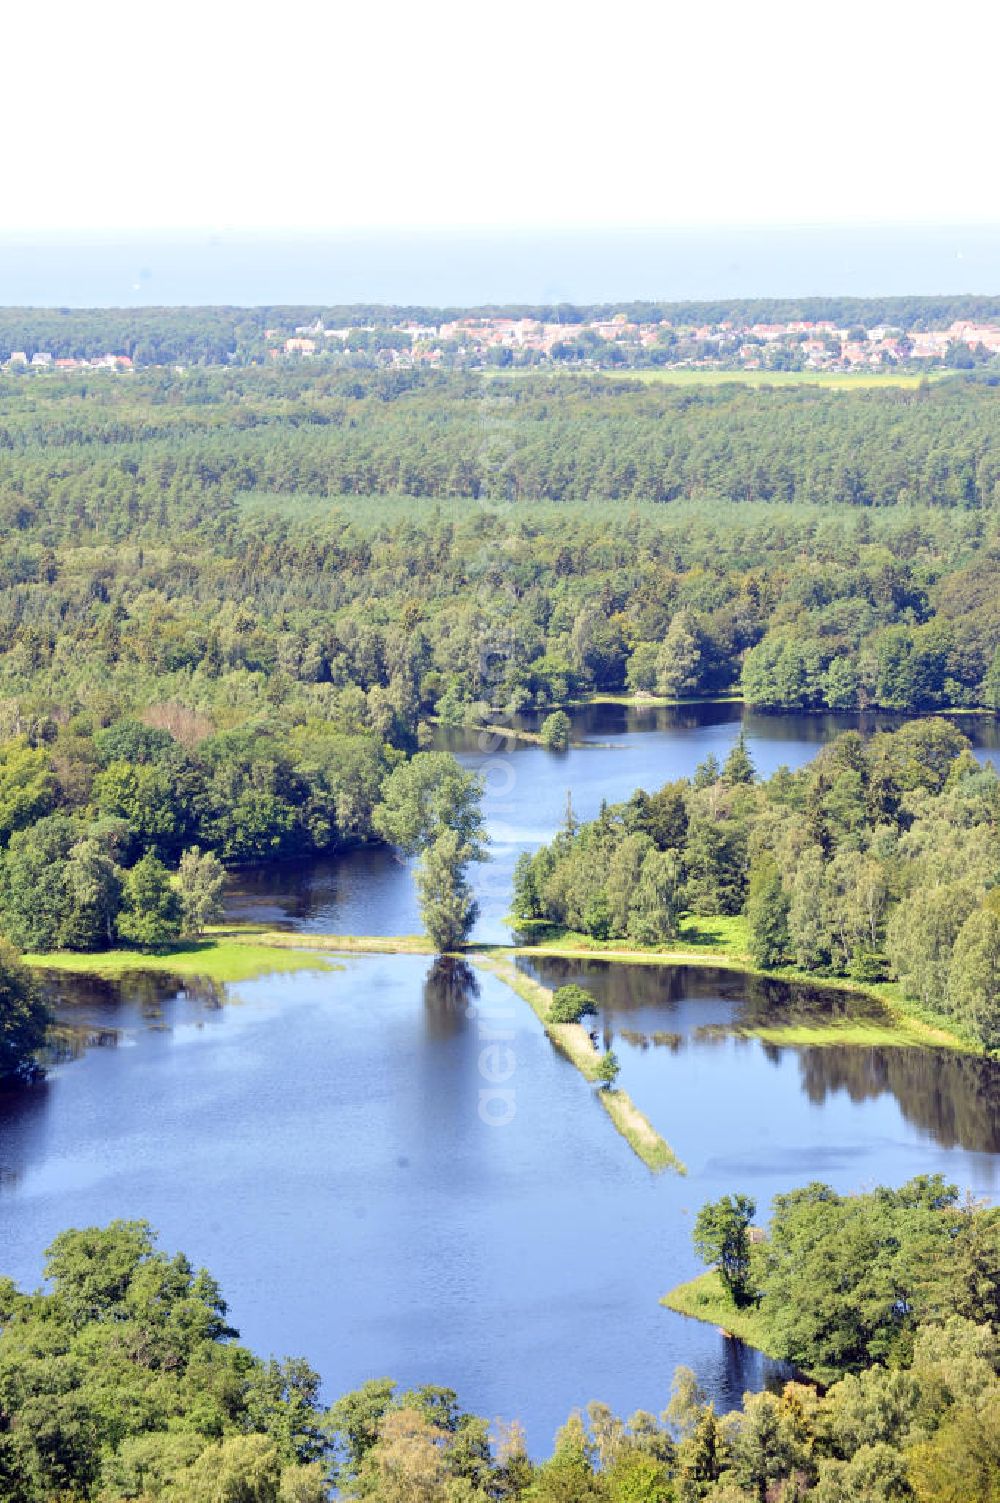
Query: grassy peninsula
{"x": 228, "y": 959}
{"x": 706, "y": 1298}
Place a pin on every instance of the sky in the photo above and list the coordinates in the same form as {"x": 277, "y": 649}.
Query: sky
{"x": 339, "y": 116}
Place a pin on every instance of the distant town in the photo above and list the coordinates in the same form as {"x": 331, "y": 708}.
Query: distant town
{"x": 44, "y": 360}
{"x": 582, "y": 339}
{"x": 795, "y": 345}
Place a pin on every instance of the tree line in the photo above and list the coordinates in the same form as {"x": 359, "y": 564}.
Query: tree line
{"x": 877, "y": 861}
{"x": 94, "y": 820}
{"x": 92, "y": 817}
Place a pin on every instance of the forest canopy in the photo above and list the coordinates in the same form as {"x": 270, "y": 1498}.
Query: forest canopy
{"x": 343, "y": 546}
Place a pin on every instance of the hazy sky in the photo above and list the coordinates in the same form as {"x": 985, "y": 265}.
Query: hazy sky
{"x": 329, "y": 116}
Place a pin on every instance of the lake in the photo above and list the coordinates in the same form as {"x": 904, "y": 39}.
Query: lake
{"x": 317, "y": 1140}
{"x": 615, "y": 750}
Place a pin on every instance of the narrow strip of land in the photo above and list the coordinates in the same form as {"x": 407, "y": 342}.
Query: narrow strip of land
{"x": 573, "y": 1040}
{"x": 655, "y": 1152}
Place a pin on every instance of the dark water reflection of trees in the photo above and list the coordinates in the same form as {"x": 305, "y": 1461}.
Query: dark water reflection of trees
{"x": 93, "y": 1012}
{"x": 450, "y": 989}
{"x": 753, "y": 1001}
{"x": 954, "y": 1097}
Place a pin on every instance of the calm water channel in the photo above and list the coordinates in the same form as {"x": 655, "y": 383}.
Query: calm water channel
{"x": 317, "y": 1139}
{"x": 615, "y": 750}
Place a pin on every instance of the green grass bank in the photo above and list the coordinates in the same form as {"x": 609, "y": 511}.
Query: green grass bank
{"x": 706, "y": 1298}
{"x": 215, "y": 959}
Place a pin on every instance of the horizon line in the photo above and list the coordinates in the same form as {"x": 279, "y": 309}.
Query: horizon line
{"x": 489, "y": 230}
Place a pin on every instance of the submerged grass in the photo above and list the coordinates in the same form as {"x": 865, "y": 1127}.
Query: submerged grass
{"x": 498, "y": 732}
{"x": 861, "y": 1033}
{"x": 215, "y": 959}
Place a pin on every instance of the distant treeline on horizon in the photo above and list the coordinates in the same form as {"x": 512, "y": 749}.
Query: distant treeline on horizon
{"x": 215, "y": 332}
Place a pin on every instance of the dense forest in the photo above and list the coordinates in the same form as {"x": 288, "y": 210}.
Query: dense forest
{"x": 877, "y": 860}
{"x": 373, "y": 549}
{"x": 219, "y": 335}
{"x": 234, "y": 600}
{"x": 124, "y": 1380}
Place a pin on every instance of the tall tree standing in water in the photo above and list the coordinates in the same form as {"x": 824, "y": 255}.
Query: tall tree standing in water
{"x": 447, "y": 906}
{"x": 431, "y": 807}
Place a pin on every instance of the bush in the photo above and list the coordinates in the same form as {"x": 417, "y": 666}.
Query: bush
{"x": 570, "y": 1004}
{"x": 555, "y": 731}
{"x": 868, "y": 966}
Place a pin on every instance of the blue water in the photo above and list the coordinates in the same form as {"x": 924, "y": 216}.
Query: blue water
{"x": 466, "y": 267}
{"x": 316, "y": 1140}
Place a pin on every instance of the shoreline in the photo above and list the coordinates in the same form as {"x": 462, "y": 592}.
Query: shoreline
{"x": 703, "y": 1298}
{"x": 642, "y": 700}
{"x": 221, "y": 959}
{"x": 658, "y": 701}
{"x": 906, "y": 1025}
{"x": 222, "y": 956}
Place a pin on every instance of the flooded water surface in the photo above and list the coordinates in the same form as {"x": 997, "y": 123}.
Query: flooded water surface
{"x": 332, "y": 1146}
